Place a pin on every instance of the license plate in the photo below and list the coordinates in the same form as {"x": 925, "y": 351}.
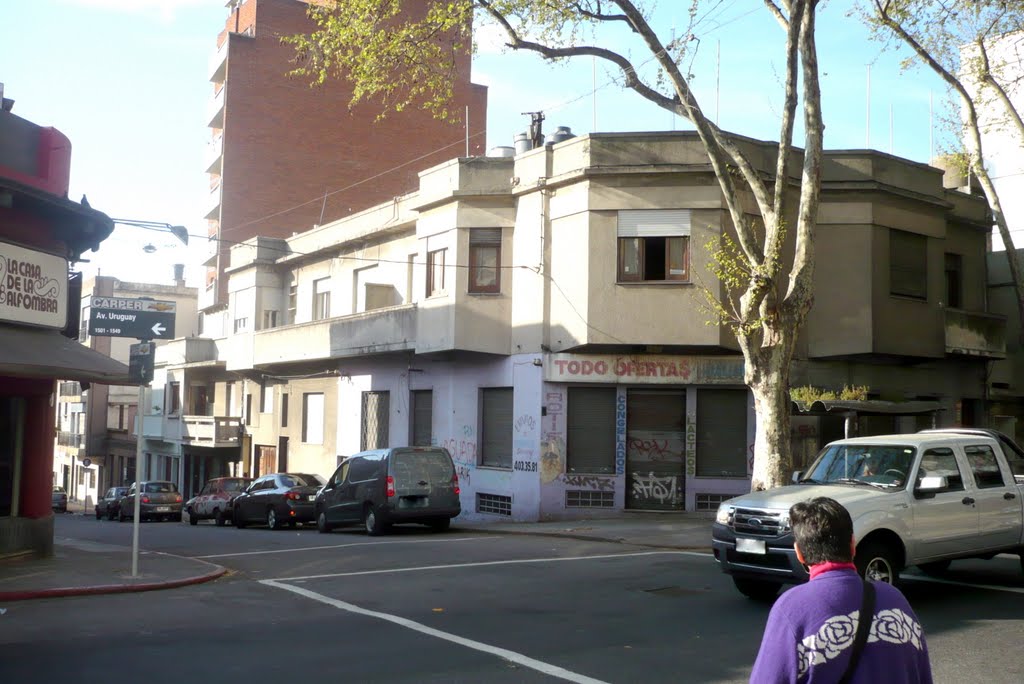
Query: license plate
{"x": 751, "y": 546}
{"x": 311, "y": 497}
{"x": 163, "y": 509}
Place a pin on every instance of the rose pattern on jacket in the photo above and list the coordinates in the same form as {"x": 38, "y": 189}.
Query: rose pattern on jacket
{"x": 838, "y": 633}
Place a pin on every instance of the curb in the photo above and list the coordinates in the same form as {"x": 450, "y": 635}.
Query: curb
{"x": 59, "y": 592}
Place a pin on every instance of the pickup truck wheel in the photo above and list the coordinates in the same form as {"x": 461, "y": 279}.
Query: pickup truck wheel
{"x": 192, "y": 518}
{"x": 877, "y": 562}
{"x": 936, "y": 568}
{"x": 759, "y": 590}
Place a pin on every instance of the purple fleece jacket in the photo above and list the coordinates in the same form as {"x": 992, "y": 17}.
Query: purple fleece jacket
{"x": 811, "y": 629}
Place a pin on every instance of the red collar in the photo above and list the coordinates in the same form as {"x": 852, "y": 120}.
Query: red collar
{"x": 828, "y": 566}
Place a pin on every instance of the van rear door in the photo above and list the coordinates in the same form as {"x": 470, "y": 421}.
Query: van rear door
{"x": 424, "y": 477}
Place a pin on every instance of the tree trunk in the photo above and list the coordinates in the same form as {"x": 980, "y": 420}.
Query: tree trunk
{"x": 773, "y": 456}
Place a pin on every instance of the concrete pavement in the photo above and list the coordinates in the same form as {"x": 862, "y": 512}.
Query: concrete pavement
{"x": 80, "y": 568}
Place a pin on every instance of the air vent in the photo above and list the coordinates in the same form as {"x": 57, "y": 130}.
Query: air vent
{"x": 494, "y": 503}
{"x": 710, "y": 502}
{"x": 582, "y": 498}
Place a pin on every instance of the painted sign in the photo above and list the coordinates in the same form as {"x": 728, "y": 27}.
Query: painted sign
{"x": 640, "y": 369}
{"x": 33, "y": 287}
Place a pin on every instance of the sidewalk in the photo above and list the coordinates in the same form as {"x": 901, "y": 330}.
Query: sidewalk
{"x": 80, "y": 568}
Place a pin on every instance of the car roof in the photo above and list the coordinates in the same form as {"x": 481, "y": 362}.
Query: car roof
{"x": 917, "y": 438}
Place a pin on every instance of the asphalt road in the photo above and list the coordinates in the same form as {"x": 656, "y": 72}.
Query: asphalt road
{"x": 455, "y": 607}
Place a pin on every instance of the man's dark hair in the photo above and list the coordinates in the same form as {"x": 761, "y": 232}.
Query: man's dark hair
{"x": 822, "y": 529}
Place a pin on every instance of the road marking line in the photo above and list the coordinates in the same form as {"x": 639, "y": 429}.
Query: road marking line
{"x": 936, "y": 580}
{"x": 486, "y": 563}
{"x": 338, "y": 546}
{"x": 512, "y": 656}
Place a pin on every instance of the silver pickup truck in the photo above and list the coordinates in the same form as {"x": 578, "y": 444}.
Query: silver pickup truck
{"x": 921, "y": 499}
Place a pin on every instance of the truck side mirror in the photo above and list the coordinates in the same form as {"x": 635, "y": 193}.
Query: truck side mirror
{"x": 932, "y": 484}
{"x": 797, "y": 474}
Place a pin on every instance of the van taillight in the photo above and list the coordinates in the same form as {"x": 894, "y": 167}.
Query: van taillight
{"x": 455, "y": 482}
{"x": 145, "y": 499}
{"x": 390, "y": 486}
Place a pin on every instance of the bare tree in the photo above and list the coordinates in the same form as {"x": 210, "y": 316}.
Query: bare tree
{"x": 967, "y": 44}
{"x": 404, "y": 60}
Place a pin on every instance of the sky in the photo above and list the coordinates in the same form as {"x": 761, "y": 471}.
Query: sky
{"x": 127, "y": 82}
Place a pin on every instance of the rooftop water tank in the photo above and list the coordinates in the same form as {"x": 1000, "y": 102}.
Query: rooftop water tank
{"x": 522, "y": 143}
{"x": 561, "y": 133}
{"x": 502, "y": 151}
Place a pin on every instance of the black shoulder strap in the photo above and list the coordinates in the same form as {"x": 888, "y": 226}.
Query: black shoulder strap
{"x": 864, "y": 620}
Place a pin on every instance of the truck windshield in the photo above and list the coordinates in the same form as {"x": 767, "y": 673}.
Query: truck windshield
{"x": 885, "y": 465}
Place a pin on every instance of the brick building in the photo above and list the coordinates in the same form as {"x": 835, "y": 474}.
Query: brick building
{"x": 283, "y": 154}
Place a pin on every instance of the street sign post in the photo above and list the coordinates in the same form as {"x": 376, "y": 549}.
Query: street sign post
{"x": 143, "y": 319}
{"x": 140, "y": 363}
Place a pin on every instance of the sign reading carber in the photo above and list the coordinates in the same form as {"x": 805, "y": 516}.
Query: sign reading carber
{"x": 658, "y": 369}
{"x": 33, "y": 287}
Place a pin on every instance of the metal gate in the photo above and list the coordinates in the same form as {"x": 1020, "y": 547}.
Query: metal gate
{"x": 376, "y": 408}
{"x": 655, "y": 449}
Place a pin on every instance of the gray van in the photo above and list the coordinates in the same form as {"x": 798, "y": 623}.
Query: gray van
{"x": 385, "y": 486}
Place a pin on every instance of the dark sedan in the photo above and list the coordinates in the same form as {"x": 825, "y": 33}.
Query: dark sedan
{"x": 160, "y": 499}
{"x": 107, "y": 506}
{"x": 278, "y": 499}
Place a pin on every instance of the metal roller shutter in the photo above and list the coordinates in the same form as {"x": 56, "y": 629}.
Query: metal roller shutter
{"x": 591, "y": 430}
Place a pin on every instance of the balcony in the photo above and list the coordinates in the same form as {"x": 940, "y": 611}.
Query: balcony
{"x": 975, "y": 333}
{"x": 74, "y": 440}
{"x": 215, "y": 111}
{"x": 382, "y": 330}
{"x": 213, "y": 154}
{"x": 211, "y": 431}
{"x": 218, "y": 65}
{"x": 153, "y": 427}
{"x": 212, "y": 206}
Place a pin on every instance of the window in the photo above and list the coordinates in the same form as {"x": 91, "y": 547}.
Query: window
{"x": 321, "y": 299}
{"x": 485, "y": 260}
{"x": 266, "y": 398}
{"x": 496, "y": 435}
{"x": 375, "y": 425}
{"x": 435, "y": 272}
{"x": 984, "y": 466}
{"x": 173, "y": 398}
{"x": 654, "y": 245}
{"x": 284, "y": 410}
{"x": 908, "y": 264}
{"x": 248, "y": 409}
{"x": 422, "y": 410}
{"x": 941, "y": 463}
{"x": 293, "y": 298}
{"x": 313, "y": 418}
{"x": 229, "y": 398}
{"x": 241, "y": 324}
{"x": 954, "y": 280}
{"x": 590, "y": 426}
{"x": 269, "y": 318}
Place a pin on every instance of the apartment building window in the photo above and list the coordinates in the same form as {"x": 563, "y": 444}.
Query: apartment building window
{"x": 908, "y": 264}
{"x": 269, "y": 318}
{"x": 435, "y": 272}
{"x": 284, "y": 410}
{"x": 590, "y": 430}
{"x": 496, "y": 429}
{"x": 654, "y": 245}
{"x": 422, "y": 410}
{"x": 173, "y": 400}
{"x": 954, "y": 280}
{"x": 293, "y": 298}
{"x": 313, "y": 418}
{"x": 485, "y": 260}
{"x": 321, "y": 299}
{"x": 241, "y": 324}
{"x": 266, "y": 398}
{"x": 376, "y": 425}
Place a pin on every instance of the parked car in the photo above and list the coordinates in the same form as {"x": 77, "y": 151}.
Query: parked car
{"x": 215, "y": 500}
{"x": 385, "y": 486}
{"x": 59, "y": 499}
{"x": 160, "y": 499}
{"x": 277, "y": 499}
{"x": 107, "y": 506}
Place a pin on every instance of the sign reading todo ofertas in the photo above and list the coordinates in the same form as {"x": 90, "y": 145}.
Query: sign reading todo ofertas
{"x": 657, "y": 369}
{"x": 33, "y": 287}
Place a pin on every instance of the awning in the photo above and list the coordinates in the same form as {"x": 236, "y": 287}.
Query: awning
{"x": 869, "y": 407}
{"x": 39, "y": 353}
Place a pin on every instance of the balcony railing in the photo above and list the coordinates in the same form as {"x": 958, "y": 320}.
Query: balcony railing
{"x": 975, "y": 333}
{"x": 211, "y": 431}
{"x": 216, "y": 109}
{"x": 213, "y": 203}
{"x": 71, "y": 439}
{"x": 214, "y": 150}
{"x": 217, "y": 67}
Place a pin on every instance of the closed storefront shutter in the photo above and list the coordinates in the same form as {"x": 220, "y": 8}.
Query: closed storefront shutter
{"x": 591, "y": 430}
{"x": 655, "y": 449}
{"x": 721, "y": 433}
{"x": 422, "y": 417}
{"x": 496, "y": 437}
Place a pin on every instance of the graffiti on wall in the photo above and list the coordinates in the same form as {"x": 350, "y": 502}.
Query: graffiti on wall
{"x": 620, "y": 433}
{"x": 525, "y": 424}
{"x": 691, "y": 444}
{"x": 592, "y": 482}
{"x": 552, "y": 460}
{"x": 650, "y": 487}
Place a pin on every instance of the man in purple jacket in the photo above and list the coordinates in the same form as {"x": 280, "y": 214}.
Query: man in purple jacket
{"x": 811, "y": 627}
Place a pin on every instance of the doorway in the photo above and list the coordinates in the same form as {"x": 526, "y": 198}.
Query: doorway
{"x": 655, "y": 449}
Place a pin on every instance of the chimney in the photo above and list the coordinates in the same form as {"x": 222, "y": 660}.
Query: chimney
{"x": 179, "y": 275}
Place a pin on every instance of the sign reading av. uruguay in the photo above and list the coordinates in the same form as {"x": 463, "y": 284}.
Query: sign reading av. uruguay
{"x": 143, "y": 319}
{"x": 33, "y": 287}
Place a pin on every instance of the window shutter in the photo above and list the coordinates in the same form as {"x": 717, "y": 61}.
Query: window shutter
{"x": 497, "y": 427}
{"x": 721, "y": 433}
{"x": 654, "y": 222}
{"x": 591, "y": 430}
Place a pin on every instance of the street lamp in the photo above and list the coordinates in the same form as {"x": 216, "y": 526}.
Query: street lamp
{"x": 180, "y": 232}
